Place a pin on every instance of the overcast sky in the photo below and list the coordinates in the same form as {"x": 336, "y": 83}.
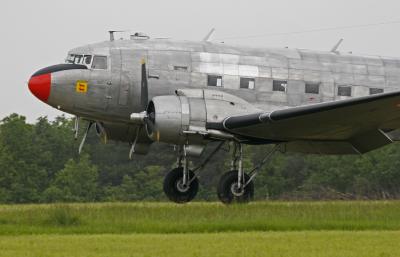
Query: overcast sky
{"x": 35, "y": 34}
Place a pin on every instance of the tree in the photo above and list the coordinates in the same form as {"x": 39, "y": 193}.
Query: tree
{"x": 77, "y": 182}
{"x": 7, "y": 175}
{"x": 39, "y": 162}
{"x": 25, "y": 178}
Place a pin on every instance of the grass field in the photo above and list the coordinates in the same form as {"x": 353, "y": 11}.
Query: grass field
{"x": 252, "y": 244}
{"x": 202, "y": 229}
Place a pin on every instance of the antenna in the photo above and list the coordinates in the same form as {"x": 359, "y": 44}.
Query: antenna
{"x": 336, "y": 47}
{"x": 209, "y": 35}
{"x": 112, "y": 38}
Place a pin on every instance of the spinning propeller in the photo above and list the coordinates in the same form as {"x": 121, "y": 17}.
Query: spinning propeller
{"x": 146, "y": 116}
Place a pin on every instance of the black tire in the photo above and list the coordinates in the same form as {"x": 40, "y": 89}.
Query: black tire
{"x": 225, "y": 185}
{"x": 172, "y": 191}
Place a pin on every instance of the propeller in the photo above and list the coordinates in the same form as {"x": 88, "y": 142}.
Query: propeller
{"x": 144, "y": 89}
{"x": 148, "y": 112}
{"x": 149, "y": 121}
{"x": 101, "y": 132}
{"x": 146, "y": 117}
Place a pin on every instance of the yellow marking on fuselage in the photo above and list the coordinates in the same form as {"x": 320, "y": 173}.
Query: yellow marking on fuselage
{"x": 81, "y": 86}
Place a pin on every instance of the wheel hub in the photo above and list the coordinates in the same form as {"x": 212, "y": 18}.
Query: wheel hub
{"x": 236, "y": 191}
{"x": 182, "y": 187}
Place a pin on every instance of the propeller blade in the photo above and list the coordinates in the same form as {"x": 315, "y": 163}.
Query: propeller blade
{"x": 101, "y": 132}
{"x": 149, "y": 125}
{"x": 144, "y": 92}
{"x": 84, "y": 136}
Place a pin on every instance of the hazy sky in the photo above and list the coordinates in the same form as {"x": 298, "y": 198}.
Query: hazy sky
{"x": 38, "y": 33}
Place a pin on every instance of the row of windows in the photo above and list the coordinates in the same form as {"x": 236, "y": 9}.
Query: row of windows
{"x": 281, "y": 86}
{"x": 216, "y": 81}
{"x": 347, "y": 91}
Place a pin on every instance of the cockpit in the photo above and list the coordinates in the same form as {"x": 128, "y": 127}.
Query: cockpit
{"x": 97, "y": 62}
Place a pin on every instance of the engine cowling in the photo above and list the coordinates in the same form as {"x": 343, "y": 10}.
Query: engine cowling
{"x": 183, "y": 118}
{"x": 169, "y": 118}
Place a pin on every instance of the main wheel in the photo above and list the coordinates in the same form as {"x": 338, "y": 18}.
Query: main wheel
{"x": 228, "y": 191}
{"x": 174, "y": 188}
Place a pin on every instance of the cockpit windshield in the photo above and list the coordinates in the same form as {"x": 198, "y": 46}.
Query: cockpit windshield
{"x": 79, "y": 59}
{"x": 97, "y": 62}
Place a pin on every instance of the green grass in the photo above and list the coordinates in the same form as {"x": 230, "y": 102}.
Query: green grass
{"x": 126, "y": 218}
{"x": 253, "y": 244}
{"x": 286, "y": 229}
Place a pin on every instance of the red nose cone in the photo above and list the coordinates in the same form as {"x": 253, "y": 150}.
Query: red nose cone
{"x": 40, "y": 86}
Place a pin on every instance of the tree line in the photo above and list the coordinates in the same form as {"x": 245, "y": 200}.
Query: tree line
{"x": 39, "y": 163}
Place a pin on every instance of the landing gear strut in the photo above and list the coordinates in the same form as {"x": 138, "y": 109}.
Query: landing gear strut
{"x": 236, "y": 185}
{"x": 181, "y": 184}
{"x": 176, "y": 185}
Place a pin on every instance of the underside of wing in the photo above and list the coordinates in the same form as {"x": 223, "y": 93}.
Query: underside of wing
{"x": 356, "y": 125}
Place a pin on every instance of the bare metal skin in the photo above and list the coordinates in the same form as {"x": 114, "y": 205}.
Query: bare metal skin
{"x": 191, "y": 93}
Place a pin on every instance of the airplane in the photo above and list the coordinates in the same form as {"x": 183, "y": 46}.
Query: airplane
{"x": 189, "y": 94}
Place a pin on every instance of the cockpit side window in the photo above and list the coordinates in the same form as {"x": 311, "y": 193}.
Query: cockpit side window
{"x": 87, "y": 59}
{"x": 70, "y": 58}
{"x": 99, "y": 62}
{"x": 79, "y": 59}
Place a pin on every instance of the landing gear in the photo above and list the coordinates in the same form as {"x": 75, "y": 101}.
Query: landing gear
{"x": 229, "y": 190}
{"x": 177, "y": 189}
{"x": 236, "y": 186}
{"x": 181, "y": 184}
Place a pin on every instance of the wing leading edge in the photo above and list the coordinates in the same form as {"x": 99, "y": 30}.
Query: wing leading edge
{"x": 354, "y": 125}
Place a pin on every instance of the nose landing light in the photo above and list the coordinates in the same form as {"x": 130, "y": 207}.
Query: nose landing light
{"x": 40, "y": 86}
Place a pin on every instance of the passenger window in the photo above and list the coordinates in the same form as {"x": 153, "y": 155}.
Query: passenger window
{"x": 181, "y": 68}
{"x": 248, "y": 83}
{"x": 214, "y": 81}
{"x": 99, "y": 62}
{"x": 374, "y": 91}
{"x": 312, "y": 88}
{"x": 344, "y": 91}
{"x": 279, "y": 85}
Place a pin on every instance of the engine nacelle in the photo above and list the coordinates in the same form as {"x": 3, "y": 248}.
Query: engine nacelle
{"x": 183, "y": 118}
{"x": 170, "y": 118}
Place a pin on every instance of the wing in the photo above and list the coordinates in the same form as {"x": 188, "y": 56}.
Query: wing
{"x": 356, "y": 125}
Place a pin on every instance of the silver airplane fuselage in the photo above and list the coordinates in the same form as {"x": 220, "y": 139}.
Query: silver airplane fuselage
{"x": 267, "y": 78}
{"x": 191, "y": 93}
